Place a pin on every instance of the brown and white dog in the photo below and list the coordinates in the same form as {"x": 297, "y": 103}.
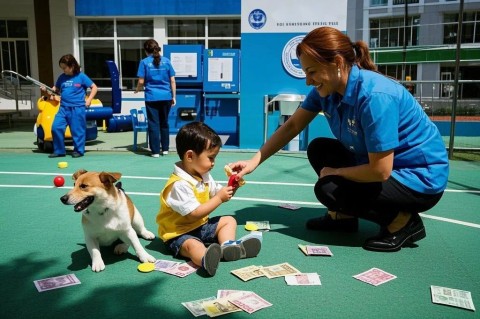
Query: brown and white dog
{"x": 108, "y": 214}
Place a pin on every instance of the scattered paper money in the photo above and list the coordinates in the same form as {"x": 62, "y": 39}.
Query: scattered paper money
{"x": 181, "y": 270}
{"x": 161, "y": 264}
{"x": 375, "y": 277}
{"x": 318, "y": 251}
{"x": 303, "y": 248}
{"x": 289, "y": 206}
{"x": 222, "y": 293}
{"x": 56, "y": 282}
{"x": 307, "y": 279}
{"x": 258, "y": 225}
{"x": 247, "y": 273}
{"x": 218, "y": 307}
{"x": 279, "y": 270}
{"x": 250, "y": 302}
{"x": 195, "y": 307}
{"x": 452, "y": 297}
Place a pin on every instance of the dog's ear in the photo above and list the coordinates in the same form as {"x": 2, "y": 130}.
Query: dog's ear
{"x": 78, "y": 173}
{"x": 108, "y": 178}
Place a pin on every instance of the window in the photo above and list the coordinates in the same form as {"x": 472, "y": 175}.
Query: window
{"x": 212, "y": 33}
{"x": 98, "y": 40}
{"x": 398, "y": 2}
{"x": 375, "y": 3}
{"x": 186, "y": 28}
{"x": 470, "y": 28}
{"x": 101, "y": 40}
{"x": 395, "y": 71}
{"x": 15, "y": 55}
{"x": 390, "y": 32}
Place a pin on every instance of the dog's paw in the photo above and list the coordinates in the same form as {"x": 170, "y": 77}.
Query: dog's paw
{"x": 98, "y": 265}
{"x": 120, "y": 249}
{"x": 146, "y": 258}
{"x": 146, "y": 234}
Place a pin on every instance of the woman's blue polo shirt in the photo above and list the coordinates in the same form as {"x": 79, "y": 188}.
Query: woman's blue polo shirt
{"x": 73, "y": 89}
{"x": 378, "y": 114}
{"x": 157, "y": 79}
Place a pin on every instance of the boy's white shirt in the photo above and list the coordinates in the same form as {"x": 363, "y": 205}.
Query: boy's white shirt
{"x": 182, "y": 198}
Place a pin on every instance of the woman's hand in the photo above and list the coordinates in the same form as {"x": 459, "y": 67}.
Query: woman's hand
{"x": 243, "y": 168}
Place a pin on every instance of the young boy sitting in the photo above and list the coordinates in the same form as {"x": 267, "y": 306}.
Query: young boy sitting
{"x": 190, "y": 196}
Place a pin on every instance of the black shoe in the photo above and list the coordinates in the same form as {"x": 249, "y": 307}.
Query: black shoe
{"x": 212, "y": 259}
{"x": 390, "y": 242}
{"x": 76, "y": 155}
{"x": 53, "y": 155}
{"x": 326, "y": 223}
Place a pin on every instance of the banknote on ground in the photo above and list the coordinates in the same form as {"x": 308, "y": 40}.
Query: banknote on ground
{"x": 306, "y": 279}
{"x": 56, "y": 282}
{"x": 195, "y": 306}
{"x": 279, "y": 270}
{"x": 250, "y": 302}
{"x": 452, "y": 297}
{"x": 375, "y": 276}
{"x": 248, "y": 273}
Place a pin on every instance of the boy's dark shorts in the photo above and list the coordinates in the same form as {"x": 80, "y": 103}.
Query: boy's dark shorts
{"x": 205, "y": 234}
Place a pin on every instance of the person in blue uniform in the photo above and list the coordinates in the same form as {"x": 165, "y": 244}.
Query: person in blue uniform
{"x": 72, "y": 86}
{"x": 157, "y": 75}
{"x": 388, "y": 161}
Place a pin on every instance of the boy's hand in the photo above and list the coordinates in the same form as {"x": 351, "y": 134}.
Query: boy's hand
{"x": 225, "y": 194}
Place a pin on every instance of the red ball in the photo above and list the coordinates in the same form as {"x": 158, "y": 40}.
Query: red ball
{"x": 58, "y": 181}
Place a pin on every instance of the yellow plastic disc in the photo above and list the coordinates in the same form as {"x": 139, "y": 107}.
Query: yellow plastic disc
{"x": 146, "y": 267}
{"x": 62, "y": 164}
{"x": 250, "y": 226}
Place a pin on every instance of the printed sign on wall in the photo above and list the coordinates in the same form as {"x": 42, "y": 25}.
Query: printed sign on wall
{"x": 292, "y": 16}
{"x": 271, "y": 31}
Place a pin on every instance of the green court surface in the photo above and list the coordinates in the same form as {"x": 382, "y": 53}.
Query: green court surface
{"x": 43, "y": 238}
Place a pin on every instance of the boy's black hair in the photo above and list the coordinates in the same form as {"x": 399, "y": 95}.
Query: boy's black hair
{"x": 196, "y": 136}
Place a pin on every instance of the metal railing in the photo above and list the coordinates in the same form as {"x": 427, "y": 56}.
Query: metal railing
{"x": 437, "y": 100}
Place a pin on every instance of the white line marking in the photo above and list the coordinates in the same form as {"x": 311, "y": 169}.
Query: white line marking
{"x": 250, "y": 199}
{"x": 449, "y": 220}
{"x": 472, "y": 191}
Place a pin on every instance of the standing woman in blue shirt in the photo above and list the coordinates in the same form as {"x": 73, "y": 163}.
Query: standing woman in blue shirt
{"x": 72, "y": 86}
{"x": 388, "y": 162}
{"x": 157, "y": 75}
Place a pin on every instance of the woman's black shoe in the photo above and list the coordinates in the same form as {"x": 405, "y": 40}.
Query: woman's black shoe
{"x": 327, "y": 223}
{"x": 390, "y": 242}
{"x": 53, "y": 155}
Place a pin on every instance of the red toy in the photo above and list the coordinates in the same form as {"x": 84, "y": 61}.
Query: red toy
{"x": 232, "y": 181}
{"x": 58, "y": 181}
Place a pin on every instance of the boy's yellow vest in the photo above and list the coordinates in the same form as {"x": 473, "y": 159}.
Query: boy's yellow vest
{"x": 170, "y": 223}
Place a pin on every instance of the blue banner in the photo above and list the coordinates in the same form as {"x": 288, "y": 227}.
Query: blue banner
{"x": 156, "y": 7}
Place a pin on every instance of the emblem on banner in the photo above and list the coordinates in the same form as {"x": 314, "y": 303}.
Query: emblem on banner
{"x": 257, "y": 19}
{"x": 289, "y": 57}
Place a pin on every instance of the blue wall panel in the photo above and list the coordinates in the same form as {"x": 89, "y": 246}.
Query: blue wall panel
{"x": 156, "y": 7}
{"x": 262, "y": 73}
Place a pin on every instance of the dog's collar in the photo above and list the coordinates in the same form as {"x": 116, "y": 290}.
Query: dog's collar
{"x": 101, "y": 213}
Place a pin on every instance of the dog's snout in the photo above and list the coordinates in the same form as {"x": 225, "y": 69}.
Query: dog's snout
{"x": 64, "y": 199}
